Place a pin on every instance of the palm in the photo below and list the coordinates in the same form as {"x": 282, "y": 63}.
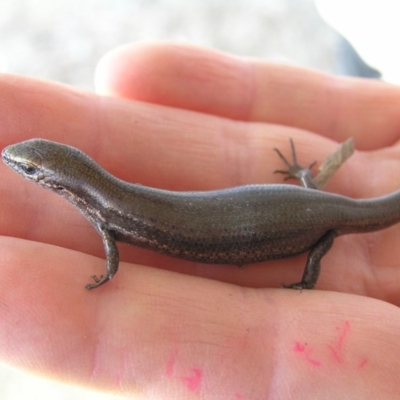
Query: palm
{"x": 191, "y": 324}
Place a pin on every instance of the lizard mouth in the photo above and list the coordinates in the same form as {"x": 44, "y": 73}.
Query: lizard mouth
{"x": 8, "y": 160}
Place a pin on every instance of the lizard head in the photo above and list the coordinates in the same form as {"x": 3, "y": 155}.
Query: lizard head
{"x": 42, "y": 161}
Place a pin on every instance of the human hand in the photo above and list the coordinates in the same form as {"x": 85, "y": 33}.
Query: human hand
{"x": 210, "y": 121}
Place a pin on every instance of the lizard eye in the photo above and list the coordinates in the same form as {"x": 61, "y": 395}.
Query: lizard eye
{"x": 28, "y": 169}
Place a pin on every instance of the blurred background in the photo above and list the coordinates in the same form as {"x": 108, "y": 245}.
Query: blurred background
{"x": 63, "y": 41}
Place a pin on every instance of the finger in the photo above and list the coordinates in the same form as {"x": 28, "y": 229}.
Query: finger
{"x": 135, "y": 139}
{"x": 154, "y": 334}
{"x": 249, "y": 90}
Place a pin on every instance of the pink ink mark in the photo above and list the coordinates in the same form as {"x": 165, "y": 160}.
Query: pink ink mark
{"x": 337, "y": 348}
{"x": 301, "y": 348}
{"x": 193, "y": 381}
{"x": 169, "y": 370}
{"x": 363, "y": 363}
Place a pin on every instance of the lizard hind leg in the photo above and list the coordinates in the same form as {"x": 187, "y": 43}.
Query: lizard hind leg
{"x": 313, "y": 266}
{"x": 295, "y": 170}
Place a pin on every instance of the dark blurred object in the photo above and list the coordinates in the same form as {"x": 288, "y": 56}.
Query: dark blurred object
{"x": 350, "y": 62}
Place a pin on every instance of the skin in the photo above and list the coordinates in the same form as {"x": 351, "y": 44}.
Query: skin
{"x": 186, "y": 118}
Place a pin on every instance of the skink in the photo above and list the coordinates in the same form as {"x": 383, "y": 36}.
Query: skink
{"x": 240, "y": 225}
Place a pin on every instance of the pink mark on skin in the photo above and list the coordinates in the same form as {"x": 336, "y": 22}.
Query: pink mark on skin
{"x": 362, "y": 363}
{"x": 239, "y": 396}
{"x": 169, "y": 370}
{"x": 337, "y": 348}
{"x": 193, "y": 381}
{"x": 302, "y": 349}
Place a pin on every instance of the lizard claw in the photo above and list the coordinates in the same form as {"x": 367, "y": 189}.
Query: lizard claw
{"x": 295, "y": 170}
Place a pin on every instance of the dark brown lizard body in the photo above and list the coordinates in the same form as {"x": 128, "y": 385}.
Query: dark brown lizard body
{"x": 240, "y": 225}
